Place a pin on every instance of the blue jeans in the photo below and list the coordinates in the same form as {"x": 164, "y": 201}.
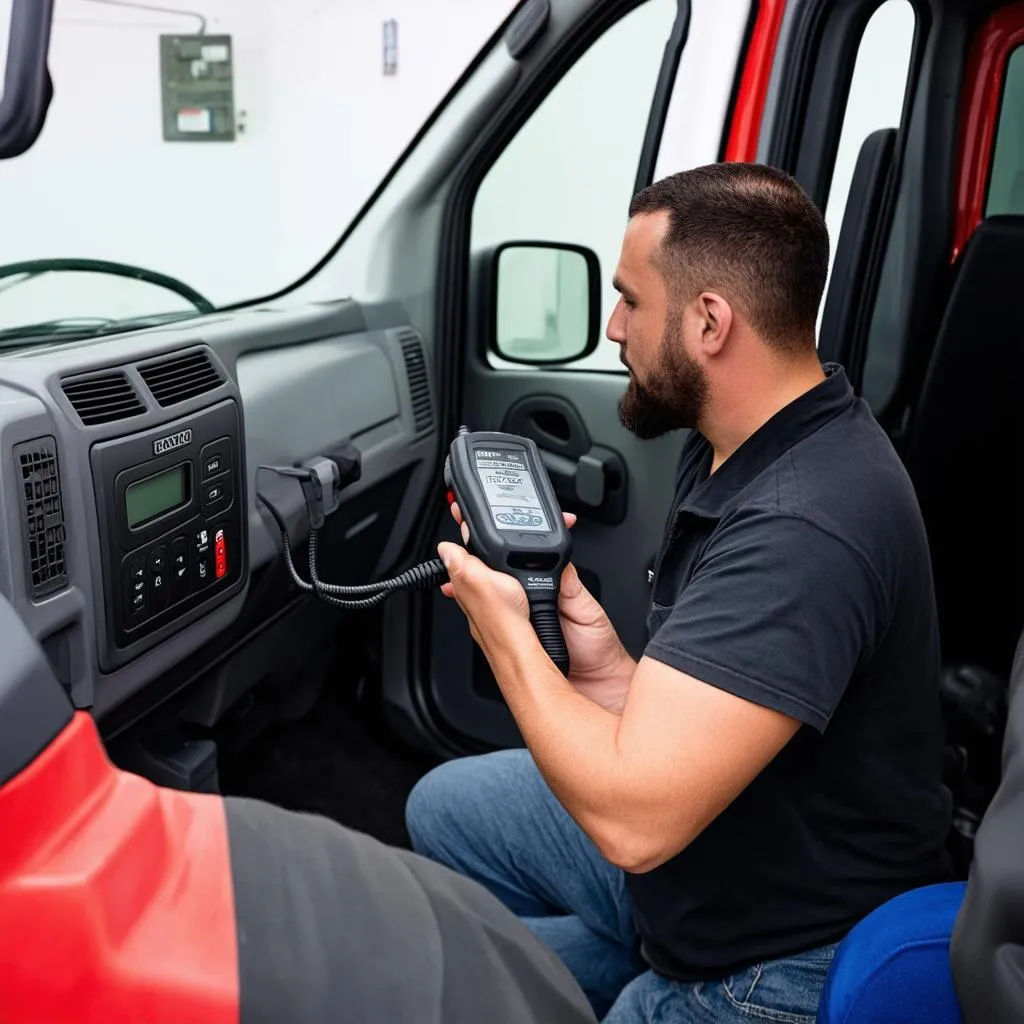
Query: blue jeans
{"x": 494, "y": 819}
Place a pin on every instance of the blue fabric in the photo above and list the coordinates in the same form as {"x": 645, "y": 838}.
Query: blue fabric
{"x": 494, "y": 819}
{"x": 893, "y": 967}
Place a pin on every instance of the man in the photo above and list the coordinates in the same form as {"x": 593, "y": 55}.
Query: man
{"x": 694, "y": 833}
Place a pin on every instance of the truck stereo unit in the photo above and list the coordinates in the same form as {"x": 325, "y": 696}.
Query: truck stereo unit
{"x": 173, "y": 535}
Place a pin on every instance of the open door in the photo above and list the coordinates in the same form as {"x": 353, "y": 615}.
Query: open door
{"x": 649, "y": 88}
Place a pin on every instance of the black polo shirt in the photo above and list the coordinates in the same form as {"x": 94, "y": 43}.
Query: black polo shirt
{"x": 797, "y": 576}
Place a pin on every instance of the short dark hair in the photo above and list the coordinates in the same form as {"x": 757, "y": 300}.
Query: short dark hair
{"x": 751, "y": 232}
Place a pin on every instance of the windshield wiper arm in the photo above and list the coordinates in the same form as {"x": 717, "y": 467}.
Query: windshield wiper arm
{"x": 30, "y": 269}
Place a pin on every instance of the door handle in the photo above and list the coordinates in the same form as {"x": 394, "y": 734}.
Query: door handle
{"x": 587, "y": 478}
{"x": 595, "y": 480}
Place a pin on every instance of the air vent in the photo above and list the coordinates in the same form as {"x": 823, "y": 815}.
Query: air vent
{"x": 42, "y": 515}
{"x": 181, "y": 377}
{"x": 419, "y": 386}
{"x": 102, "y": 398}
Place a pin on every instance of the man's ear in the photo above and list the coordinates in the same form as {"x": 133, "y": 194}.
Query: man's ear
{"x": 716, "y": 314}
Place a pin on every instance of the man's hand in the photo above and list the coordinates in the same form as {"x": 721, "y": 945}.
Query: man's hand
{"x": 599, "y": 666}
{"x": 494, "y": 603}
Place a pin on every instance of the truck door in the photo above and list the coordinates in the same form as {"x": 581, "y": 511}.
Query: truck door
{"x": 625, "y": 94}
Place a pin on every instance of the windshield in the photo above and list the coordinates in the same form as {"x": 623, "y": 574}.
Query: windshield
{"x": 218, "y": 151}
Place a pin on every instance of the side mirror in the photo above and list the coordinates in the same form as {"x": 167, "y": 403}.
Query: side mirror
{"x": 546, "y": 302}
{"x": 27, "y": 88}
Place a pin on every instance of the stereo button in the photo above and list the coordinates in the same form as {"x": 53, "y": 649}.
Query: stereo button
{"x": 158, "y": 589}
{"x": 180, "y": 569}
{"x": 158, "y": 560}
{"x": 220, "y": 553}
{"x": 216, "y": 496}
{"x": 203, "y": 573}
{"x": 135, "y": 588}
{"x": 215, "y": 458}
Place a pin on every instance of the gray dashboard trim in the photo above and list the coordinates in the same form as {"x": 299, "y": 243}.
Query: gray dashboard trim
{"x": 340, "y": 377}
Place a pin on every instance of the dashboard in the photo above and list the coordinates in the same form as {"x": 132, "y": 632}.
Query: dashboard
{"x": 134, "y": 548}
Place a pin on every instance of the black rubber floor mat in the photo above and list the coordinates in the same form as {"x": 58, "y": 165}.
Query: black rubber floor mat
{"x": 334, "y": 761}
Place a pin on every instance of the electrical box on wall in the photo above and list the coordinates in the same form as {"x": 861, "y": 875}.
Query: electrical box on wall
{"x": 197, "y": 86}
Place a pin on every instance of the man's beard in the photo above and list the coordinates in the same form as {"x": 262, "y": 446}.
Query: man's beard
{"x": 672, "y": 397}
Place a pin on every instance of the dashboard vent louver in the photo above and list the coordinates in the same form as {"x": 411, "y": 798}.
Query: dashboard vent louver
{"x": 42, "y": 515}
{"x": 102, "y": 398}
{"x": 419, "y": 386}
{"x": 179, "y": 378}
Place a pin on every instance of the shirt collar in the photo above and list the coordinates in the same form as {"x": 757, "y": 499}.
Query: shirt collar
{"x": 790, "y": 425}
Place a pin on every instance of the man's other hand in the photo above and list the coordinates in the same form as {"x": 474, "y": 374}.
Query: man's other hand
{"x": 599, "y": 666}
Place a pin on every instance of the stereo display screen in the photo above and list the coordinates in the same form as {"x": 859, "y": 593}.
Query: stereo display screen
{"x": 156, "y": 495}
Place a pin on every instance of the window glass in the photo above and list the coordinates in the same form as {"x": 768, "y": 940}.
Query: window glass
{"x": 569, "y": 173}
{"x": 875, "y": 100}
{"x": 226, "y": 144}
{"x": 1006, "y": 184}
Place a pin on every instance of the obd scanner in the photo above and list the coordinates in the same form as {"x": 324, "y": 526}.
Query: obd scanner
{"x": 515, "y": 524}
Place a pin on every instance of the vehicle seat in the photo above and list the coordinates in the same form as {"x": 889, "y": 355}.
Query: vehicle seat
{"x": 894, "y": 967}
{"x": 960, "y": 449}
{"x": 963, "y": 441}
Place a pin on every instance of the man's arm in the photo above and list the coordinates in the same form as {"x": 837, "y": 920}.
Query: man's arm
{"x": 765, "y": 637}
{"x": 645, "y": 783}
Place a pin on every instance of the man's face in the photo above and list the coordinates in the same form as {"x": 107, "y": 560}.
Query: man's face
{"x": 667, "y": 385}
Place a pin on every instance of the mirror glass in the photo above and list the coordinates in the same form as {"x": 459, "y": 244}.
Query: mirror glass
{"x": 543, "y": 304}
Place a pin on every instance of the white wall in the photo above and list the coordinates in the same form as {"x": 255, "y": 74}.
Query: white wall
{"x": 345, "y": 122}
{"x": 238, "y": 219}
